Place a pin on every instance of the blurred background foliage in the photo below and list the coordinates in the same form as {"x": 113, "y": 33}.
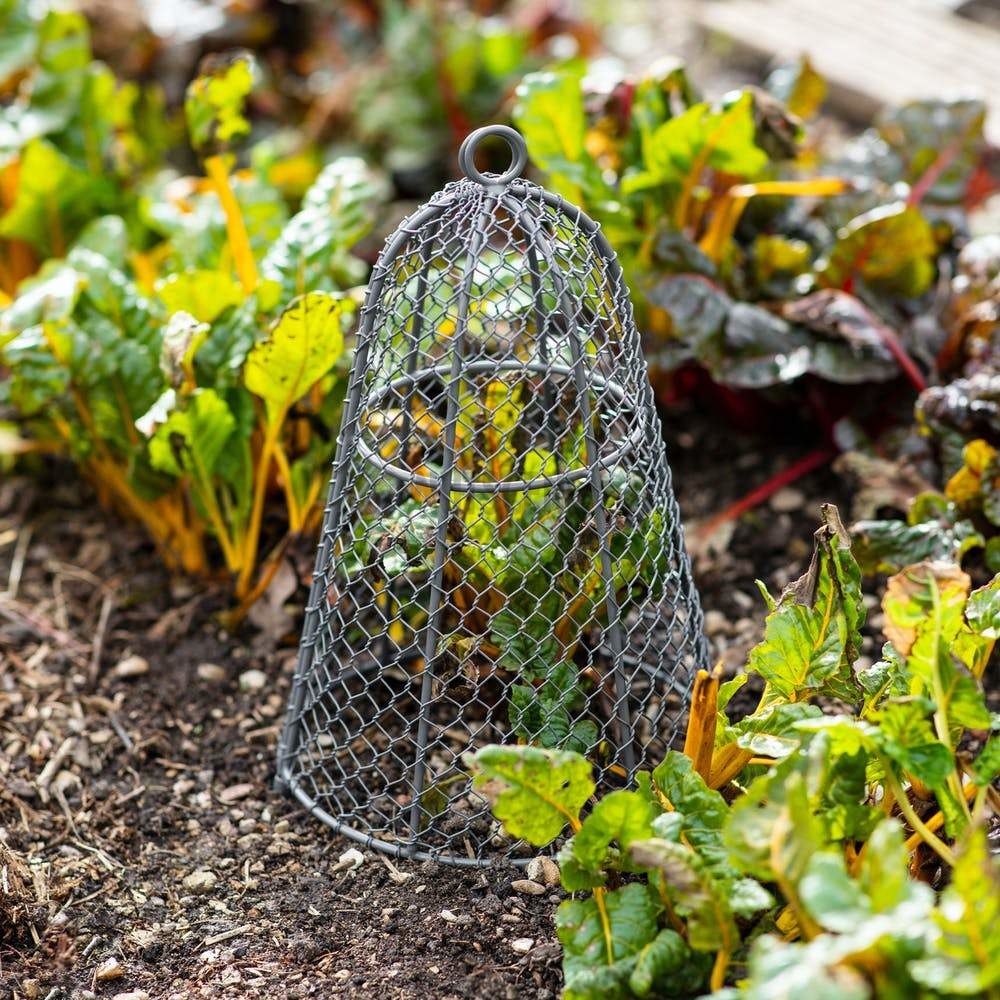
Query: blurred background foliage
{"x": 179, "y": 181}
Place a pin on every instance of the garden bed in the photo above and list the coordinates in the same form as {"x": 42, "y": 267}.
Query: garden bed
{"x": 145, "y": 800}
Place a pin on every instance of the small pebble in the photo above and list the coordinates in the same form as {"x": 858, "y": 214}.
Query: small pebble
{"x": 454, "y": 918}
{"x": 522, "y": 945}
{"x": 253, "y": 680}
{"x": 201, "y": 880}
{"x": 236, "y": 792}
{"x": 542, "y": 869}
{"x": 131, "y": 666}
{"x": 109, "y": 969}
{"x": 351, "y": 858}
{"x": 716, "y": 623}
{"x": 133, "y": 995}
{"x": 787, "y": 500}
{"x": 527, "y": 887}
{"x": 211, "y": 672}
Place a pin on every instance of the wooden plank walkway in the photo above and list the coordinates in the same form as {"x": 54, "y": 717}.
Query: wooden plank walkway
{"x": 873, "y": 52}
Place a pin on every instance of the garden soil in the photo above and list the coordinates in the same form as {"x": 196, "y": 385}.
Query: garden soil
{"x": 143, "y": 852}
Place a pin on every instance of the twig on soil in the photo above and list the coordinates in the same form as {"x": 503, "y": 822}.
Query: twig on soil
{"x": 120, "y": 732}
{"x": 52, "y": 767}
{"x": 227, "y": 935}
{"x": 28, "y": 618}
{"x": 97, "y": 649}
{"x": 17, "y": 560}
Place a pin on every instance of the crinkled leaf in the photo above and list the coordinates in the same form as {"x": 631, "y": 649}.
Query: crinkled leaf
{"x": 905, "y": 735}
{"x": 924, "y": 608}
{"x": 848, "y": 345}
{"x": 891, "y": 248}
{"x": 813, "y": 636}
{"x": 697, "y": 307}
{"x": 591, "y": 971}
{"x": 677, "y": 786}
{"x": 889, "y": 546}
{"x": 619, "y": 818}
{"x": 913, "y": 597}
{"x": 937, "y": 134}
{"x": 757, "y": 349}
{"x": 966, "y": 949}
{"x": 986, "y": 767}
{"x": 108, "y": 237}
{"x": 658, "y": 963}
{"x": 193, "y": 439}
{"x": 534, "y": 792}
{"x": 312, "y": 252}
{"x": 698, "y": 897}
{"x": 301, "y": 348}
{"x": 205, "y": 294}
{"x": 982, "y": 610}
{"x": 772, "y": 731}
{"x": 774, "y": 829}
{"x": 54, "y": 199}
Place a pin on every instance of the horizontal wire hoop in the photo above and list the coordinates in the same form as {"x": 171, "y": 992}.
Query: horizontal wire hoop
{"x": 502, "y": 558}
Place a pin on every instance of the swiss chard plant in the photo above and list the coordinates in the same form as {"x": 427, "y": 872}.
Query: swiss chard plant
{"x": 72, "y": 137}
{"x": 794, "y": 852}
{"x": 955, "y": 436}
{"x": 749, "y": 248}
{"x": 190, "y": 357}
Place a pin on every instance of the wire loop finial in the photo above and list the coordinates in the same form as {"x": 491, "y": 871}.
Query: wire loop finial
{"x": 518, "y": 149}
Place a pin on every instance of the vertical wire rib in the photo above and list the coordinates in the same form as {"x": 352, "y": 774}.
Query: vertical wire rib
{"x": 413, "y": 336}
{"x": 625, "y": 730}
{"x": 448, "y": 462}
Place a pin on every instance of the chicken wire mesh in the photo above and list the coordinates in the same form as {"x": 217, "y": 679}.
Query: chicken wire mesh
{"x": 501, "y": 558}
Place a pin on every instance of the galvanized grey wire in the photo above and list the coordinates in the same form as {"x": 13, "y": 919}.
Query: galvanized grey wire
{"x": 502, "y": 556}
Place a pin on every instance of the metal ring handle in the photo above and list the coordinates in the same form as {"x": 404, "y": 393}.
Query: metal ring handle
{"x": 518, "y": 150}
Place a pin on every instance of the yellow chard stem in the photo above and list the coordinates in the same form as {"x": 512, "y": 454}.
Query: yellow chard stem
{"x": 699, "y": 740}
{"x": 719, "y": 970}
{"x": 731, "y": 206}
{"x": 918, "y": 826}
{"x": 236, "y": 230}
{"x": 294, "y": 512}
{"x": 257, "y": 507}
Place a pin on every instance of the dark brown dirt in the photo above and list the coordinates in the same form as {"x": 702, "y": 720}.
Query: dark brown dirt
{"x": 115, "y": 790}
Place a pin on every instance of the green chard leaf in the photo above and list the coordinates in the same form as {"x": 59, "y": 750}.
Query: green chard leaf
{"x": 193, "y": 439}
{"x": 549, "y": 112}
{"x": 535, "y": 793}
{"x": 965, "y": 954}
{"x": 215, "y": 99}
{"x": 891, "y": 248}
{"x": 698, "y": 897}
{"x": 722, "y": 138}
{"x": 812, "y": 637}
{"x": 619, "y": 818}
{"x": 54, "y": 199}
{"x": 601, "y": 957}
{"x": 313, "y": 251}
{"x": 304, "y": 344}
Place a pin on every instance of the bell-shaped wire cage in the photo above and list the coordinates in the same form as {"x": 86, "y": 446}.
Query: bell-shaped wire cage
{"x": 502, "y": 557}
